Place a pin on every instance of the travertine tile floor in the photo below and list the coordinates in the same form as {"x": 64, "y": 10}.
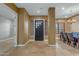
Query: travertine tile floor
{"x": 41, "y": 48}
{"x": 34, "y": 48}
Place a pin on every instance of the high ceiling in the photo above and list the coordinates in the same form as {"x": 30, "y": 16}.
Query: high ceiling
{"x": 63, "y": 10}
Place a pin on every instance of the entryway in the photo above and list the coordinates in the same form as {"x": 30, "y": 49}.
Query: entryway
{"x": 39, "y": 32}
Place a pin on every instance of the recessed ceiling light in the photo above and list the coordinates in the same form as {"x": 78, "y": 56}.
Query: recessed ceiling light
{"x": 62, "y": 8}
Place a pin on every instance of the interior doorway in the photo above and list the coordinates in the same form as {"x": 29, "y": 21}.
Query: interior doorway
{"x": 39, "y": 32}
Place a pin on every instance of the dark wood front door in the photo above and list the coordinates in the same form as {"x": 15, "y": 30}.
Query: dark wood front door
{"x": 39, "y": 30}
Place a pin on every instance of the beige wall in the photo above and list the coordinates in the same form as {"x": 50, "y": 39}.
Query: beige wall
{"x": 23, "y": 26}
{"x": 29, "y": 28}
{"x": 72, "y": 26}
{"x": 38, "y": 17}
{"x": 75, "y": 25}
{"x": 67, "y": 26}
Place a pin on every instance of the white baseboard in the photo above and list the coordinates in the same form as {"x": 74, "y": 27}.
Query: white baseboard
{"x": 45, "y": 40}
{"x": 32, "y": 40}
{"x": 23, "y": 44}
{"x": 52, "y": 45}
{"x": 57, "y": 45}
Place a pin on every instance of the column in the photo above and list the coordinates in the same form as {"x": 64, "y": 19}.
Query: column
{"x": 51, "y": 26}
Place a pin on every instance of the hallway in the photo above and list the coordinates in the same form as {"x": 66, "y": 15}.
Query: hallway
{"x": 36, "y": 29}
{"x": 41, "y": 48}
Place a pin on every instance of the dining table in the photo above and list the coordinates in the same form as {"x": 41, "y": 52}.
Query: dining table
{"x": 76, "y": 39}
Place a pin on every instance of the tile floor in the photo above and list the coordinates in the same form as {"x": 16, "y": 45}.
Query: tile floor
{"x": 41, "y": 48}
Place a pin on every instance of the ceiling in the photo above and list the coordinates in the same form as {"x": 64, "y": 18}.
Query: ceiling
{"x": 6, "y": 12}
{"x": 63, "y": 10}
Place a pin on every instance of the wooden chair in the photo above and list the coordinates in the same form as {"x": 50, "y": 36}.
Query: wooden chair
{"x": 62, "y": 37}
{"x": 66, "y": 38}
{"x": 71, "y": 39}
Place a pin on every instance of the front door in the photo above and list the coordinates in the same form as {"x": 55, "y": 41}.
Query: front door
{"x": 39, "y": 30}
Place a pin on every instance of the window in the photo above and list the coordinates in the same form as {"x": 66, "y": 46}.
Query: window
{"x": 59, "y": 27}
